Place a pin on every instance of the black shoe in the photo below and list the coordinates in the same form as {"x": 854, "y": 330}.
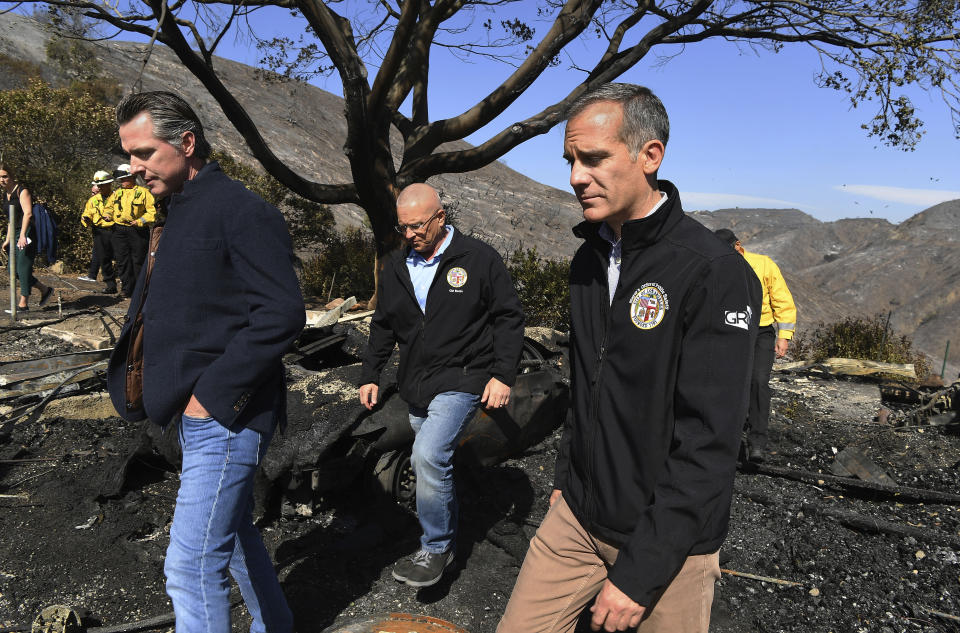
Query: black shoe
{"x": 757, "y": 456}
{"x": 110, "y": 290}
{"x": 424, "y": 569}
{"x": 403, "y": 569}
{"x": 45, "y": 296}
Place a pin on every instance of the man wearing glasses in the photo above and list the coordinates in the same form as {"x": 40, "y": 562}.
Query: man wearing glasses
{"x": 449, "y": 304}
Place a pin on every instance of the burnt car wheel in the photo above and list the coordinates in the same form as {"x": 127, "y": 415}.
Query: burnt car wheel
{"x": 394, "y": 477}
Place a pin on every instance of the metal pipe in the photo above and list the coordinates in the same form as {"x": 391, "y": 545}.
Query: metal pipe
{"x": 943, "y": 368}
{"x": 13, "y": 264}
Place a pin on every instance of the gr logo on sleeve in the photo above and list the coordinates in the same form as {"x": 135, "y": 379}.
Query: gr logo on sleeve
{"x": 738, "y": 318}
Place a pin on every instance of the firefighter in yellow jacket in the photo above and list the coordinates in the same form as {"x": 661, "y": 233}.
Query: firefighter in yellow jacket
{"x": 778, "y": 310}
{"x": 134, "y": 214}
{"x": 98, "y": 215}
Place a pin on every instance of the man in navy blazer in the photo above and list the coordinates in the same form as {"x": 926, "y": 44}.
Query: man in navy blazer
{"x": 219, "y": 304}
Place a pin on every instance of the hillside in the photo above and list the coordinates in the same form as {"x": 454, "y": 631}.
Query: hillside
{"x": 848, "y": 267}
{"x": 865, "y": 267}
{"x": 303, "y": 126}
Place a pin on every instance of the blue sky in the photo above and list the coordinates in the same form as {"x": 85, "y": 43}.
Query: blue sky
{"x": 748, "y": 129}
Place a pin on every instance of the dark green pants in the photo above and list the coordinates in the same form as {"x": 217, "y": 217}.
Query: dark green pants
{"x": 24, "y": 259}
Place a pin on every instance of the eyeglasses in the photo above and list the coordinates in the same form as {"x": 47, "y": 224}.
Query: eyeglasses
{"x": 419, "y": 226}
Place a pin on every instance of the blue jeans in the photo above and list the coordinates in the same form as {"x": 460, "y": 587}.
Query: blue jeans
{"x": 438, "y": 429}
{"x": 213, "y": 531}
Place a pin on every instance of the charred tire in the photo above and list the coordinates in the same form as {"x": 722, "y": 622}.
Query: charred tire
{"x": 393, "y": 476}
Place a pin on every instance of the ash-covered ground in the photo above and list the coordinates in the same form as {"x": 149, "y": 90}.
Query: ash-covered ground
{"x": 71, "y": 536}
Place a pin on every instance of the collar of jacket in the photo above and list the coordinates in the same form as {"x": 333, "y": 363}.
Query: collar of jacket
{"x": 459, "y": 245}
{"x": 210, "y": 170}
{"x": 638, "y": 234}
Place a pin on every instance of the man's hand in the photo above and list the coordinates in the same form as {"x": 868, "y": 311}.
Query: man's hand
{"x": 613, "y": 610}
{"x": 368, "y": 395}
{"x": 195, "y": 409}
{"x": 495, "y": 394}
{"x": 780, "y": 347}
{"x": 554, "y": 496}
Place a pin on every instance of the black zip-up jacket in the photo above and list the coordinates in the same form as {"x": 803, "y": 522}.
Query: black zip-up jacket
{"x": 472, "y": 330}
{"x": 660, "y": 381}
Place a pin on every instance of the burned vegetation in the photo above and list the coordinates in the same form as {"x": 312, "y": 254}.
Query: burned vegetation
{"x": 851, "y": 524}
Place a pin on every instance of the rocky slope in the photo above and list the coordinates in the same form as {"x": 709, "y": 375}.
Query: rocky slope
{"x": 865, "y": 267}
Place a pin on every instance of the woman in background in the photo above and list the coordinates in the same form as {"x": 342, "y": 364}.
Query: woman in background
{"x": 12, "y": 193}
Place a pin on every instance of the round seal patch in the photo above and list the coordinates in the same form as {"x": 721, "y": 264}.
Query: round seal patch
{"x": 456, "y": 277}
{"x": 648, "y": 305}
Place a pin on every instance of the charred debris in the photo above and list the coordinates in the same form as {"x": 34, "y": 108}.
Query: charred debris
{"x": 846, "y": 528}
{"x": 330, "y": 439}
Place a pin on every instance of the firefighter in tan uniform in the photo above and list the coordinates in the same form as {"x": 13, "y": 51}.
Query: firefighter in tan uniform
{"x": 778, "y": 321}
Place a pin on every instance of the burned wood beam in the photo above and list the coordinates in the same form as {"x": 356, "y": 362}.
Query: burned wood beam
{"x": 872, "y": 525}
{"x": 855, "y": 520}
{"x": 899, "y": 493}
{"x": 40, "y": 324}
{"x": 29, "y": 460}
{"x": 21, "y": 370}
{"x": 850, "y": 367}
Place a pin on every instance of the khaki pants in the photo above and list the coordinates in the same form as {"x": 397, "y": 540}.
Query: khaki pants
{"x": 565, "y": 568}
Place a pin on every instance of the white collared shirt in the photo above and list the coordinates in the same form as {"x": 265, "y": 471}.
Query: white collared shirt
{"x": 616, "y": 251}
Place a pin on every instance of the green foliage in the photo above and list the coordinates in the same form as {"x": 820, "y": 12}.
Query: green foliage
{"x": 860, "y": 338}
{"x": 54, "y": 140}
{"x": 311, "y": 224}
{"x": 344, "y": 266}
{"x": 544, "y": 288}
{"x": 104, "y": 91}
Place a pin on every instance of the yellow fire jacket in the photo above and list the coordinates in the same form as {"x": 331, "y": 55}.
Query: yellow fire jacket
{"x": 778, "y": 303}
{"x": 133, "y": 207}
{"x": 98, "y": 212}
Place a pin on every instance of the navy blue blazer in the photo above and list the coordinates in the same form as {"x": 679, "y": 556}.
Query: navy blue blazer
{"x": 222, "y": 307}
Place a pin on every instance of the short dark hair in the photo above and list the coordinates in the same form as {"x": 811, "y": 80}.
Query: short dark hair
{"x": 644, "y": 117}
{"x": 727, "y": 236}
{"x": 171, "y": 116}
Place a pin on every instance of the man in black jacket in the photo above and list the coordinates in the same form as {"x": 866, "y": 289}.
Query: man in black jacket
{"x": 449, "y": 303}
{"x": 219, "y": 304}
{"x": 663, "y": 319}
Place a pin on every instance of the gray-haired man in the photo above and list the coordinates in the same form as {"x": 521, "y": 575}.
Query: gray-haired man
{"x": 662, "y": 332}
{"x": 221, "y": 307}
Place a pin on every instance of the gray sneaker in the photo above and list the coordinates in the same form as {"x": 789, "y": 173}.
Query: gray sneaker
{"x": 423, "y": 569}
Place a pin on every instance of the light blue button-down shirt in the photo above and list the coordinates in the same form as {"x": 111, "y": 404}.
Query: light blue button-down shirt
{"x": 616, "y": 251}
{"x": 423, "y": 271}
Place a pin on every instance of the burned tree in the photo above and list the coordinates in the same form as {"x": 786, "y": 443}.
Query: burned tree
{"x": 870, "y": 51}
